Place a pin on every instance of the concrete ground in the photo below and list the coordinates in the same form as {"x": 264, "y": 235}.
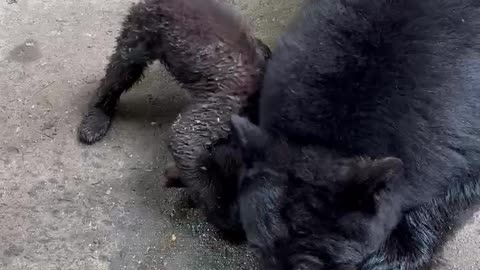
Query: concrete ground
{"x": 64, "y": 205}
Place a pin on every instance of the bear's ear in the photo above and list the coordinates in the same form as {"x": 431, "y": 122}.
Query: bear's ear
{"x": 366, "y": 182}
{"x": 381, "y": 171}
{"x": 251, "y": 138}
{"x": 385, "y": 169}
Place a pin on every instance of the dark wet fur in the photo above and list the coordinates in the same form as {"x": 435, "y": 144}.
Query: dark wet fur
{"x": 381, "y": 80}
{"x": 205, "y": 46}
{"x": 213, "y": 54}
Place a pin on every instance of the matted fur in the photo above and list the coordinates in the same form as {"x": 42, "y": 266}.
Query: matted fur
{"x": 211, "y": 52}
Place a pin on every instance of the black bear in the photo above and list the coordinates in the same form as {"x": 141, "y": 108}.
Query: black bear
{"x": 369, "y": 116}
{"x": 212, "y": 53}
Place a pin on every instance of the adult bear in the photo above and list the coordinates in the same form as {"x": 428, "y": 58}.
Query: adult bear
{"x": 366, "y": 105}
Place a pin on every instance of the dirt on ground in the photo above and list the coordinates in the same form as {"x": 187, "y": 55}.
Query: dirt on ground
{"x": 64, "y": 205}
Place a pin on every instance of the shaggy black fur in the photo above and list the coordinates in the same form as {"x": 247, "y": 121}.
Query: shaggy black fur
{"x": 306, "y": 207}
{"x": 393, "y": 82}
